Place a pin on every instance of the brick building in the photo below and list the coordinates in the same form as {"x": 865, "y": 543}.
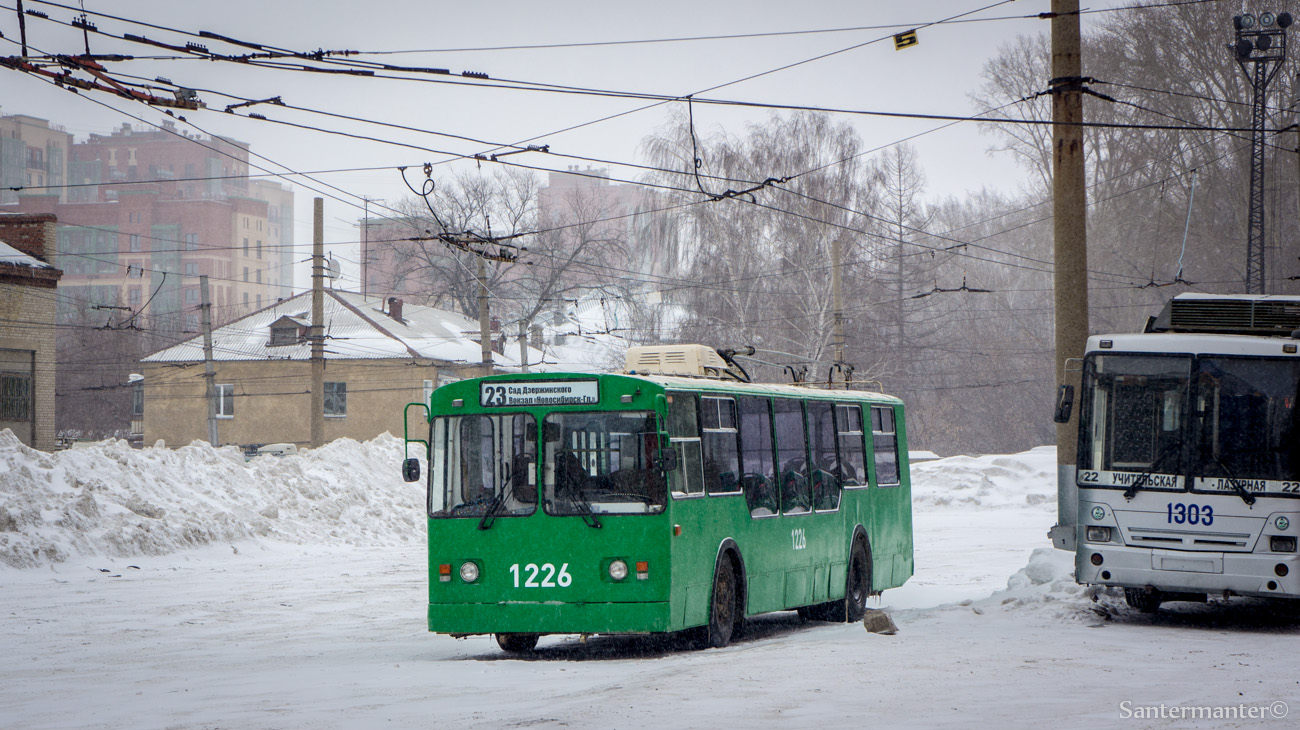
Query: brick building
{"x": 27, "y": 352}
{"x": 146, "y": 212}
{"x": 33, "y": 154}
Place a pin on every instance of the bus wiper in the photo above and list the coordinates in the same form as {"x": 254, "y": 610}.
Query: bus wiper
{"x": 490, "y": 514}
{"x": 1246, "y": 496}
{"x": 588, "y": 516}
{"x": 1146, "y": 475}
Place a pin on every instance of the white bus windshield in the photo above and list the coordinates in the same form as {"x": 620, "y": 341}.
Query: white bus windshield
{"x": 1246, "y": 422}
{"x": 1208, "y": 423}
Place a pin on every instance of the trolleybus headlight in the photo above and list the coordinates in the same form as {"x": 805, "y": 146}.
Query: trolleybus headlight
{"x": 617, "y": 569}
{"x": 1098, "y": 534}
{"x": 468, "y": 571}
{"x": 1095, "y": 559}
{"x": 1281, "y": 570}
{"x": 1282, "y": 544}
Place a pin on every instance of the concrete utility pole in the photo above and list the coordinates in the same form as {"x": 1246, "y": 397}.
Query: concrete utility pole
{"x": 484, "y": 321}
{"x": 837, "y": 301}
{"x": 318, "y": 324}
{"x": 1069, "y": 230}
{"x": 209, "y": 374}
{"x": 523, "y": 346}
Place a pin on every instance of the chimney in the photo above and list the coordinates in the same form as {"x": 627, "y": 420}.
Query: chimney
{"x": 395, "y": 308}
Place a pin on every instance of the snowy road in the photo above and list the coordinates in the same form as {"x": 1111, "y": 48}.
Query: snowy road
{"x": 319, "y": 635}
{"x": 285, "y": 637}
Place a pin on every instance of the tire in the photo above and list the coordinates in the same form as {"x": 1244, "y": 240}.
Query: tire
{"x": 1142, "y": 599}
{"x": 722, "y": 607}
{"x": 517, "y": 643}
{"x": 857, "y": 584}
{"x": 857, "y": 587}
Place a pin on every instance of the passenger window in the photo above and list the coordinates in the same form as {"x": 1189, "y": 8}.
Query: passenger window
{"x": 684, "y": 435}
{"x": 757, "y": 462}
{"x": 824, "y": 473}
{"x": 853, "y": 462}
{"x": 721, "y": 450}
{"x": 884, "y": 442}
{"x": 792, "y": 456}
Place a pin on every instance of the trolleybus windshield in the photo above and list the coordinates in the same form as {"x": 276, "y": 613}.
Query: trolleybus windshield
{"x": 602, "y": 463}
{"x": 1132, "y": 422}
{"x": 483, "y": 466}
{"x": 1228, "y": 423}
{"x": 1246, "y": 425}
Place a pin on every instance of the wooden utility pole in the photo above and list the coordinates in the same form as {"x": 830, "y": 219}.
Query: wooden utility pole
{"x": 1069, "y": 229}
{"x": 209, "y": 373}
{"x": 318, "y": 324}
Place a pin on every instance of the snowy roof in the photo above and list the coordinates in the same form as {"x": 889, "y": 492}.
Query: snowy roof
{"x": 356, "y": 328}
{"x": 11, "y": 255}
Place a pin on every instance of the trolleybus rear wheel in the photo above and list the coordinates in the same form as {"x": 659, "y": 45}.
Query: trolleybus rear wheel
{"x": 857, "y": 585}
{"x": 517, "y": 643}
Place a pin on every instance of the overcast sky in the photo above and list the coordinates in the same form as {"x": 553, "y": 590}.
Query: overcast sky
{"x": 933, "y": 77}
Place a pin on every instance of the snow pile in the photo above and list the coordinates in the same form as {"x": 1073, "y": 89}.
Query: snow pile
{"x": 1018, "y": 480}
{"x": 110, "y": 499}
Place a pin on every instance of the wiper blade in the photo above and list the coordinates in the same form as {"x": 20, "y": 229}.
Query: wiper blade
{"x": 490, "y": 514}
{"x": 588, "y": 516}
{"x": 1146, "y": 475}
{"x": 1246, "y": 496}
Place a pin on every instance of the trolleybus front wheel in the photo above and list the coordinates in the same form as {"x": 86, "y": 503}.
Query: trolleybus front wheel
{"x": 517, "y": 643}
{"x": 722, "y": 608}
{"x": 1143, "y": 599}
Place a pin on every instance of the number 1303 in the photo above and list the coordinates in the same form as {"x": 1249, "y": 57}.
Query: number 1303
{"x": 1191, "y": 514}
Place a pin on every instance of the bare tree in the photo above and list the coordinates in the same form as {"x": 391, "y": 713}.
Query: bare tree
{"x": 756, "y": 259}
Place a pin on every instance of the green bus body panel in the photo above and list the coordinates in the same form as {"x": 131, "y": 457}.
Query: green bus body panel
{"x": 788, "y": 561}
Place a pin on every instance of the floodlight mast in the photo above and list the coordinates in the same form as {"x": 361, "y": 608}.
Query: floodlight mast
{"x": 1261, "y": 42}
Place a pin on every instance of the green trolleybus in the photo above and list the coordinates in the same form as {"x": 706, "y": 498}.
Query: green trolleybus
{"x": 672, "y": 497}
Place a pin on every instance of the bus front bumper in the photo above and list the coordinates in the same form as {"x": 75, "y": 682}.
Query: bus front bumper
{"x": 549, "y": 618}
{"x": 1174, "y": 571}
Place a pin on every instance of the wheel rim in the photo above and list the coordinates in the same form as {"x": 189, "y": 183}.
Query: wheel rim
{"x": 724, "y": 600}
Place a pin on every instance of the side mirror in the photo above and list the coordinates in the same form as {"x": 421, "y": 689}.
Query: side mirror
{"x": 666, "y": 459}
{"x": 1064, "y": 403}
{"x": 411, "y": 470}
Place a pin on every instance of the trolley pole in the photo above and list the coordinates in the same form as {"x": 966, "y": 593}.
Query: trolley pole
{"x": 317, "y": 324}
{"x": 1069, "y": 231}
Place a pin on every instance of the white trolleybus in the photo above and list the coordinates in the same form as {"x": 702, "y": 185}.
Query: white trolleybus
{"x": 1188, "y": 475}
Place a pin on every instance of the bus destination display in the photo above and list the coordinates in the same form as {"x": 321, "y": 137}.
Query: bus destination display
{"x": 539, "y": 393}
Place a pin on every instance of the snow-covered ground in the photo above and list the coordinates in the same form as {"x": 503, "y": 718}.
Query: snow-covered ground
{"x": 186, "y": 589}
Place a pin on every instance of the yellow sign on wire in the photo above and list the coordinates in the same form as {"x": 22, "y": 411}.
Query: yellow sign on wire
{"x": 905, "y": 40}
